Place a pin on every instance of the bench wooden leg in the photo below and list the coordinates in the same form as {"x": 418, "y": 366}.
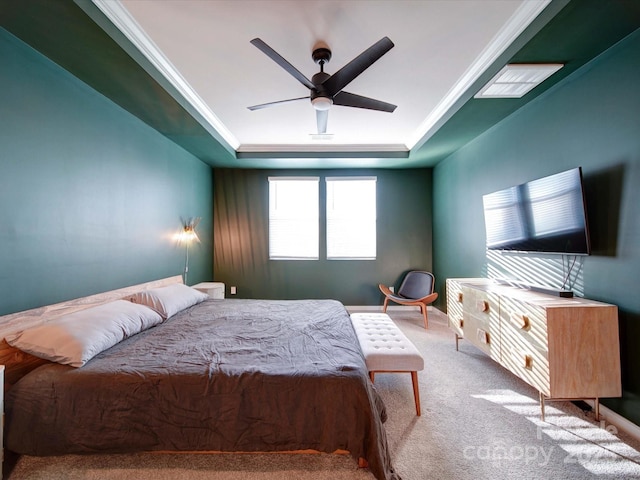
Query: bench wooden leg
{"x": 416, "y": 391}
{"x": 416, "y": 388}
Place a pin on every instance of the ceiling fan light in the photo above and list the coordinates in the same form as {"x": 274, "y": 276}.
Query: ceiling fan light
{"x": 322, "y": 103}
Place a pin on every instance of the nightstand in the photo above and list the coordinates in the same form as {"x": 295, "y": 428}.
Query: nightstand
{"x": 214, "y": 289}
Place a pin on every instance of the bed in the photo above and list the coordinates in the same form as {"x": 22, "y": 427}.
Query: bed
{"x": 217, "y": 376}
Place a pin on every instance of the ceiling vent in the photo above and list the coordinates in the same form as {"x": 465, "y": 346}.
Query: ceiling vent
{"x": 515, "y": 80}
{"x": 321, "y": 136}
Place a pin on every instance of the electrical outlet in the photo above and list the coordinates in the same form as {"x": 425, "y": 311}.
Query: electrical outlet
{"x": 393, "y": 289}
{"x": 233, "y": 290}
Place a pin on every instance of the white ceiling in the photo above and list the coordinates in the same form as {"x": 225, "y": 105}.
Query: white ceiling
{"x": 202, "y": 47}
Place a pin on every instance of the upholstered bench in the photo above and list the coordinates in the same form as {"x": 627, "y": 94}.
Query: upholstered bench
{"x": 387, "y": 349}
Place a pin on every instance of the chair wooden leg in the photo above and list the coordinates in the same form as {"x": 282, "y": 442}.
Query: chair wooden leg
{"x": 424, "y": 315}
{"x": 384, "y": 305}
{"x": 372, "y": 376}
{"x": 416, "y": 391}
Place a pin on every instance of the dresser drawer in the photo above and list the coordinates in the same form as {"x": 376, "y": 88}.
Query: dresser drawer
{"x": 481, "y": 318}
{"x": 524, "y": 320}
{"x": 480, "y": 306}
{"x": 480, "y": 303}
{"x": 530, "y": 364}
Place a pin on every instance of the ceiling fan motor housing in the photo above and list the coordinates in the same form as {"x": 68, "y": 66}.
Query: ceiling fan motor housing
{"x": 319, "y": 90}
{"x": 321, "y": 55}
{"x": 320, "y": 99}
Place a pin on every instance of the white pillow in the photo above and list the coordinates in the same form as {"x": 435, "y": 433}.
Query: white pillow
{"x": 76, "y": 338}
{"x": 168, "y": 301}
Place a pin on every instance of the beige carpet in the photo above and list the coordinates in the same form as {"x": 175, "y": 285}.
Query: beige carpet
{"x": 478, "y": 422}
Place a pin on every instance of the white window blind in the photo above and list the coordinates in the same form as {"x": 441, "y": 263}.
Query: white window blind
{"x": 293, "y": 218}
{"x": 351, "y": 218}
{"x": 554, "y": 204}
{"x": 504, "y": 217}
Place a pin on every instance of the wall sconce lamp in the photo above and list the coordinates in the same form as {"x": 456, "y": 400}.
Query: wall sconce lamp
{"x": 188, "y": 235}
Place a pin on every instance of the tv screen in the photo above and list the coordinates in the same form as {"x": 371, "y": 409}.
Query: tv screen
{"x": 545, "y": 215}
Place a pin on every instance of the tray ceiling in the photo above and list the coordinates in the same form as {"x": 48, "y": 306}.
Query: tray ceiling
{"x": 187, "y": 68}
{"x": 440, "y": 48}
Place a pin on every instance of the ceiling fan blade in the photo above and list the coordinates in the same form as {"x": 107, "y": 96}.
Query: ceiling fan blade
{"x": 276, "y": 57}
{"x": 336, "y": 82}
{"x": 321, "y": 117}
{"x": 347, "y": 99}
{"x": 271, "y": 104}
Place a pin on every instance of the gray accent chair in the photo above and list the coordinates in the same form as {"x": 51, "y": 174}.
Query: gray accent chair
{"x": 416, "y": 289}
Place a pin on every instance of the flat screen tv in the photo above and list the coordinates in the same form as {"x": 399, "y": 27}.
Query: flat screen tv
{"x": 546, "y": 215}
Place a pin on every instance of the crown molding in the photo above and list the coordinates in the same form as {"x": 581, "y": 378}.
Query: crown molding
{"x": 124, "y": 21}
{"x": 344, "y": 147}
{"x": 322, "y": 151}
{"x": 520, "y": 20}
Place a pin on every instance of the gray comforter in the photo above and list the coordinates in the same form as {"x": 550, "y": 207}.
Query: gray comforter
{"x": 224, "y": 375}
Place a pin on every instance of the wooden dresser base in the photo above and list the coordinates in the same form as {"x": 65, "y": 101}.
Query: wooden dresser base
{"x": 544, "y": 398}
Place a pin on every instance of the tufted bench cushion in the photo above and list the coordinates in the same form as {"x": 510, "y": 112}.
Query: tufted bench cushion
{"x": 384, "y": 345}
{"x": 386, "y": 348}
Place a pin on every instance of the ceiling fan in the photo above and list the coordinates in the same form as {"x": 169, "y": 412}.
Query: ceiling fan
{"x": 325, "y": 89}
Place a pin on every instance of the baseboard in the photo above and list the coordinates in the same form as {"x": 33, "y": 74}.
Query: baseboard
{"x": 378, "y": 308}
{"x": 618, "y": 421}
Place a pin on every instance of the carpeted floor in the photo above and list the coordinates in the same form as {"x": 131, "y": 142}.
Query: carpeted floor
{"x": 478, "y": 422}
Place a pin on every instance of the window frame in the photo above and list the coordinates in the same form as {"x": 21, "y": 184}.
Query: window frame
{"x": 328, "y": 219}
{"x": 273, "y": 180}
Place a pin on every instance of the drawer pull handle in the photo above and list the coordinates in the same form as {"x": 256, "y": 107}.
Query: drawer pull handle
{"x": 521, "y": 320}
{"x": 528, "y": 361}
{"x": 482, "y": 306}
{"x": 460, "y": 297}
{"x": 482, "y": 336}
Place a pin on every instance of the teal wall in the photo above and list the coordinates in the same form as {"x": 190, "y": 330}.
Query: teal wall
{"x": 592, "y": 119}
{"x": 241, "y": 246}
{"x": 90, "y": 197}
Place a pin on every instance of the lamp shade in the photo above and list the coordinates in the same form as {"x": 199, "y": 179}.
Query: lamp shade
{"x": 188, "y": 233}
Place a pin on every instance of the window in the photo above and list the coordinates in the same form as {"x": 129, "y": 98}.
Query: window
{"x": 351, "y": 218}
{"x": 293, "y": 218}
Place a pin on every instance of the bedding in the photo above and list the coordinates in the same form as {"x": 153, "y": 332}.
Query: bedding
{"x": 222, "y": 375}
{"x": 169, "y": 300}
{"x": 76, "y": 338}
